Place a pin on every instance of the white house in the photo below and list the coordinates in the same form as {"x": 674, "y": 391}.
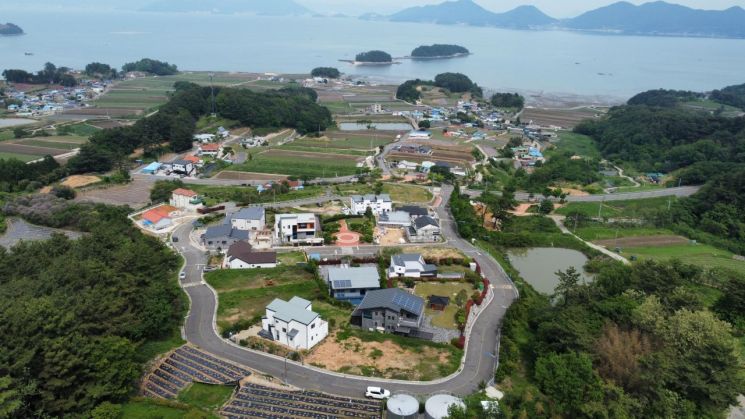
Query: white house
{"x": 209, "y": 150}
{"x": 410, "y": 265}
{"x": 293, "y": 323}
{"x": 240, "y": 255}
{"x": 378, "y": 203}
{"x": 186, "y": 199}
{"x": 297, "y": 229}
{"x": 424, "y": 229}
{"x": 420, "y": 134}
{"x": 204, "y": 138}
{"x": 250, "y": 218}
{"x": 184, "y": 167}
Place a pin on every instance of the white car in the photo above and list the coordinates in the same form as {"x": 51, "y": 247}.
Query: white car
{"x": 377, "y": 393}
{"x": 182, "y": 275}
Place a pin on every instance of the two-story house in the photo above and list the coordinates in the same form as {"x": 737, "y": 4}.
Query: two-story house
{"x": 424, "y": 229}
{"x": 221, "y": 237}
{"x": 250, "y": 218}
{"x": 295, "y": 229}
{"x": 351, "y": 284}
{"x": 183, "y": 167}
{"x": 391, "y": 310}
{"x": 185, "y": 199}
{"x": 411, "y": 265}
{"x": 378, "y": 203}
{"x": 293, "y": 323}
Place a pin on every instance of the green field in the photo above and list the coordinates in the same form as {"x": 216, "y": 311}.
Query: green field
{"x": 21, "y": 157}
{"x": 399, "y": 192}
{"x": 142, "y": 408}
{"x": 578, "y": 144}
{"x": 218, "y": 194}
{"x": 63, "y": 143}
{"x": 299, "y": 165}
{"x": 206, "y": 396}
{"x": 444, "y": 318}
{"x": 626, "y": 209}
{"x": 701, "y": 255}
{"x": 600, "y": 232}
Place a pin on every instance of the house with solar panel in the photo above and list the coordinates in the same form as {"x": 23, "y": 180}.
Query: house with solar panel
{"x": 293, "y": 323}
{"x": 351, "y": 284}
{"x": 391, "y": 310}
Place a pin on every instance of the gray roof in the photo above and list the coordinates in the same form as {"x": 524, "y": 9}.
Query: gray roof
{"x": 394, "y": 299}
{"x": 414, "y": 210}
{"x": 249, "y": 213}
{"x": 372, "y": 198}
{"x": 181, "y": 162}
{"x": 295, "y": 309}
{"x": 224, "y": 230}
{"x": 425, "y": 221}
{"x": 349, "y": 278}
{"x": 396, "y": 217}
{"x": 402, "y": 258}
{"x": 243, "y": 251}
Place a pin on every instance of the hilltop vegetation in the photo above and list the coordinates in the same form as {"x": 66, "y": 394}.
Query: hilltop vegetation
{"x": 50, "y": 74}
{"x": 507, "y": 100}
{"x": 147, "y": 65}
{"x": 438, "y": 50}
{"x": 327, "y": 72}
{"x": 374, "y": 56}
{"x": 100, "y": 70}
{"x": 76, "y": 313}
{"x": 10, "y": 29}
{"x": 454, "y": 82}
{"x": 731, "y": 95}
{"x": 664, "y": 98}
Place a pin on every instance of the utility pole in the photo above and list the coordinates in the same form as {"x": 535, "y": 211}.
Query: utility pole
{"x": 600, "y": 209}
{"x": 212, "y": 94}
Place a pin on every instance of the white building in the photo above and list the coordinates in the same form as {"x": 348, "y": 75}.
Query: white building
{"x": 293, "y": 323}
{"x": 380, "y": 204}
{"x": 250, "y": 218}
{"x": 185, "y": 167}
{"x": 241, "y": 255}
{"x": 185, "y": 199}
{"x": 204, "y": 138}
{"x": 420, "y": 134}
{"x": 410, "y": 265}
{"x": 301, "y": 228}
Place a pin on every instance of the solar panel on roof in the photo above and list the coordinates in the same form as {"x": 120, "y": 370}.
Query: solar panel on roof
{"x": 343, "y": 283}
{"x": 407, "y": 302}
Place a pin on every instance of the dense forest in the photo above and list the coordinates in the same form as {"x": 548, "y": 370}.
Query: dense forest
{"x": 50, "y": 74}
{"x": 326, "y": 72}
{"x": 454, "y": 82}
{"x": 175, "y": 123}
{"x": 17, "y": 176}
{"x": 100, "y": 70}
{"x": 731, "y": 95}
{"x": 664, "y": 98}
{"x": 76, "y": 313}
{"x": 507, "y": 100}
{"x": 10, "y": 29}
{"x": 438, "y": 50}
{"x": 151, "y": 66}
{"x": 374, "y": 56}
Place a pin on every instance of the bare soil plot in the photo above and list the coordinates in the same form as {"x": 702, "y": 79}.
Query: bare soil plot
{"x": 109, "y": 124}
{"x": 389, "y": 236}
{"x": 114, "y": 112}
{"x": 79, "y": 181}
{"x": 436, "y": 252}
{"x": 136, "y": 194}
{"x": 565, "y": 118}
{"x": 30, "y": 150}
{"x": 643, "y": 241}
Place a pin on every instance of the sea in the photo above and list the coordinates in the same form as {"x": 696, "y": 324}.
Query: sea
{"x": 543, "y": 62}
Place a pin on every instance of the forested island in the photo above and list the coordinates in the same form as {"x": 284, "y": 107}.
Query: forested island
{"x": 326, "y": 72}
{"x": 373, "y": 57}
{"x": 439, "y": 51}
{"x": 10, "y": 29}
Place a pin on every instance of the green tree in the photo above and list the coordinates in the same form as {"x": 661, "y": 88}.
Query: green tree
{"x": 568, "y": 287}
{"x": 424, "y": 124}
{"x": 107, "y": 410}
{"x": 546, "y": 206}
{"x": 162, "y": 189}
{"x": 10, "y": 401}
{"x": 569, "y": 380}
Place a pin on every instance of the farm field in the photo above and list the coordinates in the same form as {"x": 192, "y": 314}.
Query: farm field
{"x": 578, "y": 144}
{"x": 28, "y": 149}
{"x": 217, "y": 194}
{"x": 445, "y": 318}
{"x": 564, "y": 118}
{"x": 398, "y": 192}
{"x": 625, "y": 209}
{"x": 702, "y": 255}
{"x": 601, "y": 232}
{"x": 297, "y": 163}
{"x": 21, "y": 157}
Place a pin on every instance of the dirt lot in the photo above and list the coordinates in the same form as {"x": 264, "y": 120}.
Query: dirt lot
{"x": 78, "y": 181}
{"x": 565, "y": 118}
{"x": 574, "y": 192}
{"x": 114, "y": 112}
{"x": 436, "y": 252}
{"x": 136, "y": 194}
{"x": 109, "y": 124}
{"x": 645, "y": 241}
{"x": 392, "y": 236}
{"x": 233, "y": 175}
{"x": 352, "y": 354}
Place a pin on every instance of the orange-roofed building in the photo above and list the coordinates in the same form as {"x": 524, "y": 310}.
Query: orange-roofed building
{"x": 208, "y": 149}
{"x": 158, "y": 218}
{"x": 192, "y": 158}
{"x": 185, "y": 199}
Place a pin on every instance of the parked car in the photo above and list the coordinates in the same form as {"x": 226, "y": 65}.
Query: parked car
{"x": 174, "y": 239}
{"x": 209, "y": 268}
{"x": 377, "y": 393}
{"x": 182, "y": 275}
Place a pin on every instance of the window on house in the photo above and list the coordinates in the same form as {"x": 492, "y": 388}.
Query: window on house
{"x": 284, "y": 330}
{"x": 313, "y": 326}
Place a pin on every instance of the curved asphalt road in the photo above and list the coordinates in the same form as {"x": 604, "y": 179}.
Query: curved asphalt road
{"x": 480, "y": 360}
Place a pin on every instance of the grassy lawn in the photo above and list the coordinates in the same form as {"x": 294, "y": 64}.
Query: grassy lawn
{"x": 629, "y": 208}
{"x": 398, "y": 192}
{"x": 578, "y": 144}
{"x": 291, "y": 258}
{"x": 82, "y": 129}
{"x": 445, "y": 318}
{"x": 643, "y": 187}
{"x": 142, "y": 408}
{"x": 21, "y": 157}
{"x": 218, "y": 194}
{"x": 701, "y": 255}
{"x": 352, "y": 152}
{"x": 241, "y": 279}
{"x": 206, "y": 396}
{"x": 600, "y": 232}
{"x": 299, "y": 165}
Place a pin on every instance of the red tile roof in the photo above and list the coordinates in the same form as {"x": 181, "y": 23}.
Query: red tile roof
{"x": 193, "y": 159}
{"x": 158, "y": 213}
{"x": 185, "y": 192}
{"x": 209, "y": 147}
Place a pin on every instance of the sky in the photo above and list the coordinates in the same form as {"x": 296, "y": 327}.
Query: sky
{"x": 555, "y": 8}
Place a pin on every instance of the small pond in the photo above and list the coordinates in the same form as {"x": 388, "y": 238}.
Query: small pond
{"x": 380, "y": 126}
{"x": 538, "y": 265}
{"x": 12, "y": 122}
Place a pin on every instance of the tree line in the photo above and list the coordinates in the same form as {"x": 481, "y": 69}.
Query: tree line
{"x": 454, "y": 82}
{"x": 76, "y": 313}
{"x": 50, "y": 74}
{"x": 374, "y": 56}
{"x": 438, "y": 50}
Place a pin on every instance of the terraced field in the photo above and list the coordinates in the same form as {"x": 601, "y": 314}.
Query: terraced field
{"x": 28, "y": 149}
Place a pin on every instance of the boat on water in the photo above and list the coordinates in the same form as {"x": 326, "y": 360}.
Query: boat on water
{"x": 28, "y": 53}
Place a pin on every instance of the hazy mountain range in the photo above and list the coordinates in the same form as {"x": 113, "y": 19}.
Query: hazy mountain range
{"x": 656, "y": 18}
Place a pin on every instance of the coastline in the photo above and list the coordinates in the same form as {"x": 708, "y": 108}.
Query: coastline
{"x": 437, "y": 57}
{"x": 369, "y": 63}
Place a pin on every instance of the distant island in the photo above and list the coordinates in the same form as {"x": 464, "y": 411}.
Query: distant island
{"x": 10, "y": 29}
{"x": 623, "y": 18}
{"x": 373, "y": 57}
{"x": 439, "y": 51}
